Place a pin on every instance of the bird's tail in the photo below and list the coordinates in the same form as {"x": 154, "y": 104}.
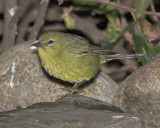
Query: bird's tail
{"x": 119, "y": 56}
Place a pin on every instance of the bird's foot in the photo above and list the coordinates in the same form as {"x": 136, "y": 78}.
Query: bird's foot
{"x": 72, "y": 90}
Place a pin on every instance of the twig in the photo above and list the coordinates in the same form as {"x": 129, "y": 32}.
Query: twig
{"x": 1, "y": 6}
{"x": 126, "y": 8}
{"x": 1, "y": 26}
{"x": 153, "y": 10}
{"x": 60, "y": 2}
{"x": 23, "y": 26}
{"x": 9, "y": 34}
{"x": 21, "y": 10}
{"x": 12, "y": 15}
{"x": 40, "y": 19}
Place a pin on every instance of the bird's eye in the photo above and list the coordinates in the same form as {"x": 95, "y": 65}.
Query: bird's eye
{"x": 50, "y": 42}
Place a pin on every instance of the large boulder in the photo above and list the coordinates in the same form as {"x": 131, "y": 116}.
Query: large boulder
{"x": 23, "y": 81}
{"x": 72, "y": 111}
{"x": 139, "y": 94}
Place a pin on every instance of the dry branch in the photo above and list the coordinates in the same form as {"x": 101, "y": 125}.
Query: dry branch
{"x": 12, "y": 14}
{"x": 40, "y": 19}
{"x": 23, "y": 26}
{"x": 9, "y": 34}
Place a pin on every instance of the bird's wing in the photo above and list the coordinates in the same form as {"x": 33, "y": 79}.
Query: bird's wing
{"x": 95, "y": 50}
{"x": 77, "y": 45}
{"x": 80, "y": 46}
{"x": 101, "y": 51}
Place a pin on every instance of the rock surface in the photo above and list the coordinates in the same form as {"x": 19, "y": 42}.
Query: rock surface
{"x": 139, "y": 94}
{"x": 72, "y": 111}
{"x": 23, "y": 81}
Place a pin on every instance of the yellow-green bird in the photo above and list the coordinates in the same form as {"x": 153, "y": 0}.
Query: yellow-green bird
{"x": 72, "y": 58}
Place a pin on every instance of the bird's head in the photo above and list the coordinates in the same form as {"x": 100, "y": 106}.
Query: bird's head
{"x": 51, "y": 42}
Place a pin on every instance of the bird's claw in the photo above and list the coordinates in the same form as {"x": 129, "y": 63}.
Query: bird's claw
{"x": 72, "y": 90}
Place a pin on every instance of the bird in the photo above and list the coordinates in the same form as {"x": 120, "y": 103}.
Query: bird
{"x": 72, "y": 58}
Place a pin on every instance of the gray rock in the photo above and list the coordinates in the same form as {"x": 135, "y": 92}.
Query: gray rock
{"x": 72, "y": 111}
{"x": 23, "y": 81}
{"x": 139, "y": 94}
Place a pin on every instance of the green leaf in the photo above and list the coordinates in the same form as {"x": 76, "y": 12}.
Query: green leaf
{"x": 82, "y": 5}
{"x": 141, "y": 45}
{"x": 141, "y": 5}
{"x": 111, "y": 31}
{"x": 95, "y": 7}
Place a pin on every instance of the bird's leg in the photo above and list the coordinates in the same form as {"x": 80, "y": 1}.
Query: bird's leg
{"x": 75, "y": 89}
{"x": 76, "y": 85}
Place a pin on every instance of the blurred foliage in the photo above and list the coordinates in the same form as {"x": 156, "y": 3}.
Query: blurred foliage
{"x": 69, "y": 22}
{"x": 151, "y": 32}
{"x": 111, "y": 31}
{"x": 97, "y": 8}
{"x": 111, "y": 14}
{"x": 141, "y": 45}
{"x": 141, "y": 5}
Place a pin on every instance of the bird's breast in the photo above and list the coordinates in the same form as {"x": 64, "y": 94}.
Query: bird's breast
{"x": 69, "y": 67}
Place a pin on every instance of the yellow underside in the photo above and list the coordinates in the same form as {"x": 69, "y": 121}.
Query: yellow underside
{"x": 69, "y": 67}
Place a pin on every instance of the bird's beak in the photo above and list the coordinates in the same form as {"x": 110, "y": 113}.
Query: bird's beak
{"x": 36, "y": 43}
